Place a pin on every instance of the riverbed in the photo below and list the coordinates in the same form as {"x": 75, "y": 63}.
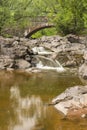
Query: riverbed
{"x": 24, "y": 101}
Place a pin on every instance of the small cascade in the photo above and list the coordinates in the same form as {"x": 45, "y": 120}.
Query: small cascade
{"x": 41, "y": 51}
{"x": 44, "y": 60}
{"x": 49, "y": 64}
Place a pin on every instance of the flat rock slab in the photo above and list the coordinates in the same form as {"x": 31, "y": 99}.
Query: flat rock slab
{"x": 72, "y": 102}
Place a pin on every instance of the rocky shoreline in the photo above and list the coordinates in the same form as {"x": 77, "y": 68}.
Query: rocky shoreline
{"x": 16, "y": 52}
{"x": 71, "y": 51}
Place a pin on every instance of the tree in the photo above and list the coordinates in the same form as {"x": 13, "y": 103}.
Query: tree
{"x": 12, "y": 13}
{"x": 70, "y": 16}
{"x": 4, "y": 13}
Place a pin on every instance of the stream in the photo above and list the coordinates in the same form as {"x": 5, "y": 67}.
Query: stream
{"x": 24, "y": 98}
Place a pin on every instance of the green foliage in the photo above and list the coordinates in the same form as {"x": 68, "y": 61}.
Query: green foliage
{"x": 4, "y": 14}
{"x": 12, "y": 13}
{"x": 69, "y": 16}
{"x": 46, "y": 32}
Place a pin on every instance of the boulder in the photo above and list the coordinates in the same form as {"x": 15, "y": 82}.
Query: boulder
{"x": 73, "y": 38}
{"x": 85, "y": 55}
{"x": 15, "y": 53}
{"x": 22, "y": 64}
{"x": 6, "y": 62}
{"x": 72, "y": 102}
{"x": 70, "y": 63}
{"x": 83, "y": 67}
{"x": 83, "y": 71}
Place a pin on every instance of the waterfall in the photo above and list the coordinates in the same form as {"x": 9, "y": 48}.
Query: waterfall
{"x": 41, "y": 51}
{"x": 45, "y": 62}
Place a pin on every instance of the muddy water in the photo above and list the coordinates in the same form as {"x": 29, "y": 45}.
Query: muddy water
{"x": 24, "y": 98}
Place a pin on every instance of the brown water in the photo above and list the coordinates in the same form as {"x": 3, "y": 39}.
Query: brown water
{"x": 23, "y": 100}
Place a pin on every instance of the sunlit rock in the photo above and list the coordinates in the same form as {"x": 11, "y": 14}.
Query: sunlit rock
{"x": 72, "y": 102}
{"x": 22, "y": 64}
{"x": 83, "y": 71}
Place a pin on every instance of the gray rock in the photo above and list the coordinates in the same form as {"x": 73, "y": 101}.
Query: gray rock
{"x": 73, "y": 100}
{"x": 67, "y": 50}
{"x": 85, "y": 55}
{"x": 22, "y": 64}
{"x": 83, "y": 71}
{"x": 5, "y": 62}
{"x": 71, "y": 63}
{"x": 14, "y": 53}
{"x": 83, "y": 67}
{"x": 72, "y": 38}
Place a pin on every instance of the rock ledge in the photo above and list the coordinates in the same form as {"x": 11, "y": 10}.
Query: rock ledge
{"x": 72, "y": 102}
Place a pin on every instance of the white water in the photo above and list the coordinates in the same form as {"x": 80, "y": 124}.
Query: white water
{"x": 46, "y": 63}
{"x": 41, "y": 51}
{"x": 41, "y": 66}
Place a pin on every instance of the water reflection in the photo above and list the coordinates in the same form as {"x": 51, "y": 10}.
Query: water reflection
{"x": 21, "y": 108}
{"x": 29, "y": 111}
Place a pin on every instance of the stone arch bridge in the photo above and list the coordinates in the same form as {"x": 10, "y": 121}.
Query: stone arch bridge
{"x": 31, "y": 31}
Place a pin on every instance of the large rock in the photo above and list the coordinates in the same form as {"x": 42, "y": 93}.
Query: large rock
{"x": 6, "y": 62}
{"x": 83, "y": 71}
{"x": 72, "y": 102}
{"x": 73, "y": 38}
{"x": 14, "y": 53}
{"x": 83, "y": 67}
{"x": 22, "y": 64}
{"x": 85, "y": 55}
